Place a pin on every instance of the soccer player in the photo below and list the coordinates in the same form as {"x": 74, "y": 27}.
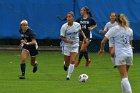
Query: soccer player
{"x": 28, "y": 46}
{"x": 69, "y": 34}
{"x": 123, "y": 36}
{"x": 88, "y": 24}
{"x": 109, "y": 25}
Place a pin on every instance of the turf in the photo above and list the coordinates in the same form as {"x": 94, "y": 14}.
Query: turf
{"x": 50, "y": 78}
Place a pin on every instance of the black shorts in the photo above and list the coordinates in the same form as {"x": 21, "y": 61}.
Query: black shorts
{"x": 32, "y": 50}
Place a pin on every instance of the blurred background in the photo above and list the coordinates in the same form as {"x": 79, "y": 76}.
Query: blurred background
{"x": 45, "y": 19}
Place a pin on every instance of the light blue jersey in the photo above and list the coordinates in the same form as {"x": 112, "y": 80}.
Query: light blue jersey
{"x": 71, "y": 33}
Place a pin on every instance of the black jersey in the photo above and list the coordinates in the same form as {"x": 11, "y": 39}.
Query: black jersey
{"x": 85, "y": 23}
{"x": 28, "y": 35}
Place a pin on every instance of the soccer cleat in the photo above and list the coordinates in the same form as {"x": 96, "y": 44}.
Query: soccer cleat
{"x": 65, "y": 68}
{"x": 22, "y": 77}
{"x": 67, "y": 78}
{"x": 88, "y": 62}
{"x": 35, "y": 67}
{"x": 77, "y": 64}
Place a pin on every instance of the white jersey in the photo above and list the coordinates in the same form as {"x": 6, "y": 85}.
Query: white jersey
{"x": 71, "y": 33}
{"x": 109, "y": 25}
{"x": 122, "y": 37}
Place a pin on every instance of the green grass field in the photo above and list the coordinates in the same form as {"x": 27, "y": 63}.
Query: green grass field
{"x": 50, "y": 78}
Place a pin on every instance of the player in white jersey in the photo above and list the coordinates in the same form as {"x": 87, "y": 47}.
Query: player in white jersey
{"x": 109, "y": 25}
{"x": 69, "y": 34}
{"x": 123, "y": 37}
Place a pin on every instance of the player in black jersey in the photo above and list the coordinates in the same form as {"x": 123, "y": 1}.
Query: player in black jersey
{"x": 87, "y": 24}
{"x": 28, "y": 46}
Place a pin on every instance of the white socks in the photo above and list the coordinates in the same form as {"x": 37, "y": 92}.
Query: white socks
{"x": 70, "y": 70}
{"x": 126, "y": 87}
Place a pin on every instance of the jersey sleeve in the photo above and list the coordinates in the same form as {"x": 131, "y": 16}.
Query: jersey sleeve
{"x": 32, "y": 34}
{"x": 106, "y": 28}
{"x": 110, "y": 33}
{"x": 79, "y": 26}
{"x": 62, "y": 31}
{"x": 92, "y": 21}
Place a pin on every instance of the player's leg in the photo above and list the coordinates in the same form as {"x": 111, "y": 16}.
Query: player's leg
{"x": 112, "y": 54}
{"x": 24, "y": 56}
{"x": 81, "y": 53}
{"x": 123, "y": 64}
{"x": 84, "y": 49}
{"x": 34, "y": 63}
{"x": 72, "y": 62}
{"x": 66, "y": 52}
{"x": 112, "y": 50}
{"x": 33, "y": 53}
{"x": 66, "y": 62}
{"x": 126, "y": 87}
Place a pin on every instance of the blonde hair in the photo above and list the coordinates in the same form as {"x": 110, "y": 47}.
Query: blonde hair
{"x": 122, "y": 20}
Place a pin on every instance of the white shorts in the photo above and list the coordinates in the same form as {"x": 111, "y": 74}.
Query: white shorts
{"x": 123, "y": 60}
{"x": 111, "y": 42}
{"x": 66, "y": 50}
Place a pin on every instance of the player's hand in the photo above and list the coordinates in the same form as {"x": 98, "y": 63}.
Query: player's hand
{"x": 23, "y": 42}
{"x": 102, "y": 31}
{"x": 101, "y": 52}
{"x": 71, "y": 41}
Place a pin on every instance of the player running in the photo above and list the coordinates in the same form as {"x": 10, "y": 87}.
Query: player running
{"x": 69, "y": 34}
{"x": 28, "y": 46}
{"x": 88, "y": 24}
{"x": 109, "y": 25}
{"x": 123, "y": 36}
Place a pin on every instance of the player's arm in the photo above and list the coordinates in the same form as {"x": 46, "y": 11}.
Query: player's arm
{"x": 92, "y": 27}
{"x": 93, "y": 24}
{"x": 67, "y": 40}
{"x": 102, "y": 32}
{"x": 108, "y": 35}
{"x": 62, "y": 35}
{"x": 105, "y": 30}
{"x": 82, "y": 33}
{"x": 33, "y": 42}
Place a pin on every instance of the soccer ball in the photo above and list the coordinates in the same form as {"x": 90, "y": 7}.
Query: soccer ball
{"x": 83, "y": 77}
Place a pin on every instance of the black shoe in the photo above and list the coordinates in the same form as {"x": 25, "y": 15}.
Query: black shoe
{"x": 65, "y": 68}
{"x": 22, "y": 77}
{"x": 115, "y": 66}
{"x": 35, "y": 67}
{"x": 67, "y": 78}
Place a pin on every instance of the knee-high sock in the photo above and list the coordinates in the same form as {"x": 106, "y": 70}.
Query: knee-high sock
{"x": 126, "y": 87}
{"x": 22, "y": 67}
{"x": 86, "y": 55}
{"x": 70, "y": 70}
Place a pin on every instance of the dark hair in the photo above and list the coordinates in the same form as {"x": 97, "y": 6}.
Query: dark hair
{"x": 65, "y": 18}
{"x": 71, "y": 13}
{"x": 88, "y": 11}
